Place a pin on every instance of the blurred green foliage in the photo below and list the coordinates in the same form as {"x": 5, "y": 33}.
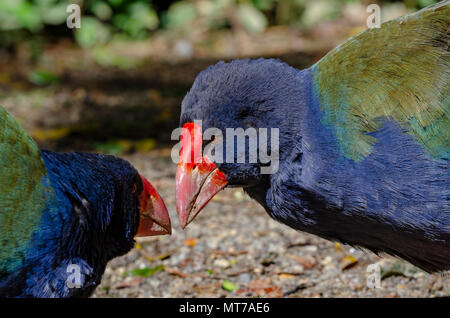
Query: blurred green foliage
{"x": 137, "y": 19}
{"x": 145, "y": 272}
{"x": 119, "y": 146}
{"x": 42, "y": 77}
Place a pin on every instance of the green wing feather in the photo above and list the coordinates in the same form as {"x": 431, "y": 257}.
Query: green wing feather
{"x": 400, "y": 71}
{"x": 24, "y": 191}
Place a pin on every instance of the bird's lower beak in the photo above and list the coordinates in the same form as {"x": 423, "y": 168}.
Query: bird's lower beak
{"x": 154, "y": 218}
{"x": 198, "y": 179}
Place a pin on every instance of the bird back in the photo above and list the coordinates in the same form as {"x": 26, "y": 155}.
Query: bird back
{"x": 24, "y": 192}
{"x": 400, "y": 71}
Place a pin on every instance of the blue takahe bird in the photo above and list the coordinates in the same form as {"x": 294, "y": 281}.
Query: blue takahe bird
{"x": 363, "y": 139}
{"x": 64, "y": 216}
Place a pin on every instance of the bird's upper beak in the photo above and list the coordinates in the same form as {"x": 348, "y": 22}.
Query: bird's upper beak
{"x": 154, "y": 218}
{"x": 198, "y": 179}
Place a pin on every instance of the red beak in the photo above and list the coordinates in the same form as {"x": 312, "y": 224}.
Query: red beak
{"x": 154, "y": 218}
{"x": 198, "y": 179}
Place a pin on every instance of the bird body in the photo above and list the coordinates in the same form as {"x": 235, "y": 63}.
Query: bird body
{"x": 64, "y": 216}
{"x": 394, "y": 200}
{"x": 364, "y": 138}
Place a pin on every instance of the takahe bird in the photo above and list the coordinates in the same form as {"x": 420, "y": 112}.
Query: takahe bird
{"x": 363, "y": 139}
{"x": 64, "y": 216}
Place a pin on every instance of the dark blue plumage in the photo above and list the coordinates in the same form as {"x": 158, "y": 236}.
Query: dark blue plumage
{"x": 91, "y": 219}
{"x": 93, "y": 207}
{"x": 394, "y": 200}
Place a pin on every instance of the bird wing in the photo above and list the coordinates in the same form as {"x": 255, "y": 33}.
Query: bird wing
{"x": 399, "y": 71}
{"x": 25, "y": 191}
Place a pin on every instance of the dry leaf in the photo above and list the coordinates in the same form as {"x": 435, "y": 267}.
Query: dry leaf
{"x": 50, "y": 134}
{"x": 286, "y": 276}
{"x": 129, "y": 283}
{"x": 263, "y": 288}
{"x": 307, "y": 262}
{"x": 348, "y": 262}
{"x": 176, "y": 272}
{"x": 190, "y": 242}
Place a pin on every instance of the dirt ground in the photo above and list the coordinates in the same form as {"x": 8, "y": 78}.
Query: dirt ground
{"x": 234, "y": 249}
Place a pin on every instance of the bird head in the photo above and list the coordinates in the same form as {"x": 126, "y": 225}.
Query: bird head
{"x": 223, "y": 120}
{"x": 123, "y": 202}
{"x": 136, "y": 203}
{"x": 109, "y": 202}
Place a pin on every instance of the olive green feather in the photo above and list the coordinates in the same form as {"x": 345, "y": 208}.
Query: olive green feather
{"x": 400, "y": 71}
{"x": 24, "y": 191}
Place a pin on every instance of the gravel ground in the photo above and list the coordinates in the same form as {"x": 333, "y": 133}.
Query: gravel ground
{"x": 233, "y": 249}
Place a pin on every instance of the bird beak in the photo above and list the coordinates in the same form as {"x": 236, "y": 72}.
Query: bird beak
{"x": 154, "y": 218}
{"x": 198, "y": 179}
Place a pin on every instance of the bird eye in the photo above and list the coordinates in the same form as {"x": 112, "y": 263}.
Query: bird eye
{"x": 243, "y": 113}
{"x": 134, "y": 190}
